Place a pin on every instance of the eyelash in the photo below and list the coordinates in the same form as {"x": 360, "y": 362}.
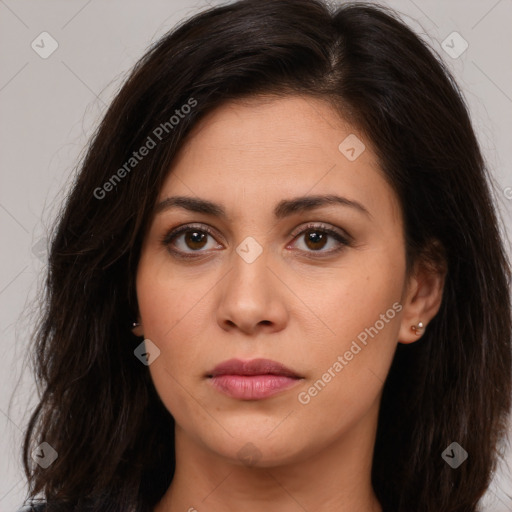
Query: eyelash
{"x": 345, "y": 241}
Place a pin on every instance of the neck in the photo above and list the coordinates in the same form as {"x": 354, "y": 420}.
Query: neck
{"x": 332, "y": 477}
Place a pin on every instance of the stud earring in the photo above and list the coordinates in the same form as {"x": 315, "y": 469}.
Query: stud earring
{"x": 136, "y": 329}
{"x": 417, "y": 328}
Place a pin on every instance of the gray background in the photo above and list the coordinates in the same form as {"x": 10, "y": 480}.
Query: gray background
{"x": 49, "y": 108}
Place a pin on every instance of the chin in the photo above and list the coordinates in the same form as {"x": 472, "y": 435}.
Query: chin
{"x": 261, "y": 452}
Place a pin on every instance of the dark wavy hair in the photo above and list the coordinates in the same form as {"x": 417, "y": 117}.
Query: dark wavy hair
{"x": 98, "y": 407}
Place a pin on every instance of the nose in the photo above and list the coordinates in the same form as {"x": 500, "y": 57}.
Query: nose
{"x": 252, "y": 298}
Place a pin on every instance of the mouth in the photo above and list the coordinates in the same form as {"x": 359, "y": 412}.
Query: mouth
{"x": 252, "y": 380}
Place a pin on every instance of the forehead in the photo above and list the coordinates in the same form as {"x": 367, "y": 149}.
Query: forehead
{"x": 291, "y": 125}
{"x": 256, "y": 151}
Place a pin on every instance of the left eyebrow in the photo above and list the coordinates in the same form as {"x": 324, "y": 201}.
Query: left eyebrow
{"x": 284, "y": 208}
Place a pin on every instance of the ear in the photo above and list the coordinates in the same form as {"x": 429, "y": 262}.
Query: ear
{"x": 137, "y": 328}
{"x": 423, "y": 293}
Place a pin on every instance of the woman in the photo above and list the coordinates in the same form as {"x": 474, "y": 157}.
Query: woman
{"x": 278, "y": 281}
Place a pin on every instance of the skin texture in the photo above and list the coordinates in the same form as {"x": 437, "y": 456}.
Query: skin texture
{"x": 287, "y": 305}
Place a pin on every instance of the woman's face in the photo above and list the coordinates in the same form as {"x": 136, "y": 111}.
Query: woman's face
{"x": 314, "y": 285}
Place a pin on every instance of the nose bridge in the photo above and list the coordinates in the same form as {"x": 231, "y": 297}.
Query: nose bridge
{"x": 251, "y": 294}
{"x": 250, "y": 272}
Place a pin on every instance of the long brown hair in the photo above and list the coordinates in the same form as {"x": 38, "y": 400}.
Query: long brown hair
{"x": 98, "y": 407}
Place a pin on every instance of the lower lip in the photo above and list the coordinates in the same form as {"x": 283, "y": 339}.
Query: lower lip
{"x": 252, "y": 387}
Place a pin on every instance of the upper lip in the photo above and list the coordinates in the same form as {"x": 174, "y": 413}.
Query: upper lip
{"x": 252, "y": 367}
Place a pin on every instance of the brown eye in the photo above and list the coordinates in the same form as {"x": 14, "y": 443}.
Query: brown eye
{"x": 195, "y": 239}
{"x": 315, "y": 239}
{"x": 191, "y": 242}
{"x": 185, "y": 241}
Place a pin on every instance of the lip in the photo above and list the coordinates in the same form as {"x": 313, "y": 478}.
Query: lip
{"x": 252, "y": 367}
{"x": 252, "y": 380}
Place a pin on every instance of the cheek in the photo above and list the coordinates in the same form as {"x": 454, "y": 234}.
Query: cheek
{"x": 169, "y": 312}
{"x": 361, "y": 315}
{"x": 171, "y": 320}
{"x": 167, "y": 309}
{"x": 165, "y": 298}
{"x": 348, "y": 299}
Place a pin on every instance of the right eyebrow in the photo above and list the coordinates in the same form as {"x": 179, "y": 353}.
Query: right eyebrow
{"x": 283, "y": 209}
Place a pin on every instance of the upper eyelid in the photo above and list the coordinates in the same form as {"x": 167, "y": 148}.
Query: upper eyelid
{"x": 321, "y": 226}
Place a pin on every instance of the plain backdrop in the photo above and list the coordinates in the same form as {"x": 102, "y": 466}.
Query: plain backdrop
{"x": 50, "y": 106}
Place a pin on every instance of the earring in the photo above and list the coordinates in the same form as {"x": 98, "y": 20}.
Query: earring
{"x": 136, "y": 329}
{"x": 417, "y": 328}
